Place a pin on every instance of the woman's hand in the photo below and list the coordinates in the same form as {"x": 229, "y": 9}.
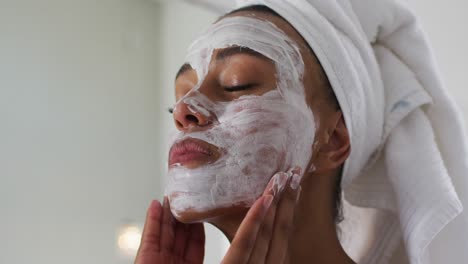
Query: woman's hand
{"x": 263, "y": 236}
{"x": 166, "y": 240}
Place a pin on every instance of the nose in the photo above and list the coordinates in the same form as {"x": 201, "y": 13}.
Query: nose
{"x": 187, "y": 117}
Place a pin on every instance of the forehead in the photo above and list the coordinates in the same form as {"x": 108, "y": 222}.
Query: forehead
{"x": 280, "y": 23}
{"x": 254, "y": 32}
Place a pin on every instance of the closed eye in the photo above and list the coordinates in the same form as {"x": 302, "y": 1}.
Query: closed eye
{"x": 238, "y": 87}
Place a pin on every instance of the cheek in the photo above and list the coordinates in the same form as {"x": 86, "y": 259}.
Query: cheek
{"x": 249, "y": 120}
{"x": 264, "y": 159}
{"x": 260, "y": 135}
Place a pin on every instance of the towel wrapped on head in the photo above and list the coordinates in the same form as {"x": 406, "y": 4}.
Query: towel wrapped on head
{"x": 407, "y": 137}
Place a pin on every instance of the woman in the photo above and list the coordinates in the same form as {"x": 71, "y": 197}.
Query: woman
{"x": 265, "y": 136}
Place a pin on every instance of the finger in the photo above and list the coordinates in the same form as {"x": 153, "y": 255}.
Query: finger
{"x": 195, "y": 250}
{"x": 181, "y": 238}
{"x": 167, "y": 228}
{"x": 151, "y": 232}
{"x": 275, "y": 186}
{"x": 284, "y": 221}
{"x": 244, "y": 240}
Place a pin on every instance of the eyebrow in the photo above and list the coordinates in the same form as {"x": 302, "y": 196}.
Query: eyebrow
{"x": 186, "y": 67}
{"x": 235, "y": 50}
{"x": 226, "y": 53}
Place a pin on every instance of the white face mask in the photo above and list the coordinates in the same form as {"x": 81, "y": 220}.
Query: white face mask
{"x": 258, "y": 135}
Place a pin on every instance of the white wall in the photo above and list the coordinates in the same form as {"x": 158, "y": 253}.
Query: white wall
{"x": 79, "y": 126}
{"x": 445, "y": 23}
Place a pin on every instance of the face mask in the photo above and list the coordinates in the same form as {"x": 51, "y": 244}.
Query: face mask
{"x": 258, "y": 135}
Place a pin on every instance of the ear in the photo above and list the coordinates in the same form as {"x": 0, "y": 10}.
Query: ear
{"x": 336, "y": 147}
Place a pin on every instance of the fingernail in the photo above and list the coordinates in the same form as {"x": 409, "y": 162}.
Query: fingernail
{"x": 273, "y": 185}
{"x": 269, "y": 189}
{"x": 297, "y": 170}
{"x": 295, "y": 181}
{"x": 153, "y": 204}
{"x": 312, "y": 168}
{"x": 267, "y": 201}
{"x": 280, "y": 182}
{"x": 153, "y": 207}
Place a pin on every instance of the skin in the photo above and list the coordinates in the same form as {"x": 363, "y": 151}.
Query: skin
{"x": 298, "y": 225}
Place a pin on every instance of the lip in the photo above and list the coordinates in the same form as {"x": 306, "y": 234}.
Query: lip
{"x": 192, "y": 152}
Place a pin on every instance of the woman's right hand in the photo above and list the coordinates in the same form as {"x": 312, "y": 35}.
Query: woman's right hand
{"x": 166, "y": 240}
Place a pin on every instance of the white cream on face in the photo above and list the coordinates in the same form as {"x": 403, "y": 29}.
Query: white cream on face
{"x": 259, "y": 135}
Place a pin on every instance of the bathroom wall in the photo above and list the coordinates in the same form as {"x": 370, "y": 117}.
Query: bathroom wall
{"x": 445, "y": 25}
{"x": 79, "y": 126}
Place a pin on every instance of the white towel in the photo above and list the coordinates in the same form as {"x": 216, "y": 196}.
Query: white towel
{"x": 407, "y": 138}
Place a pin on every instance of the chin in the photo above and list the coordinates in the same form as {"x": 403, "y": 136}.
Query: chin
{"x": 196, "y": 216}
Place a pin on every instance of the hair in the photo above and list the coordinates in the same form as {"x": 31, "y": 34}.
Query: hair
{"x": 337, "y": 207}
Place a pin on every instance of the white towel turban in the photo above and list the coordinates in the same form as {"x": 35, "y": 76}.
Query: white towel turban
{"x": 407, "y": 138}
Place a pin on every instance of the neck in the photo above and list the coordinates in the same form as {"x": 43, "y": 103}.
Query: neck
{"x": 229, "y": 223}
{"x": 314, "y": 238}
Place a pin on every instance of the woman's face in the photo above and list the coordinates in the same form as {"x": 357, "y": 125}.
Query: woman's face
{"x": 241, "y": 115}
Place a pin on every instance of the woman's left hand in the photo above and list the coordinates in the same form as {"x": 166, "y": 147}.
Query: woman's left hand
{"x": 263, "y": 236}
